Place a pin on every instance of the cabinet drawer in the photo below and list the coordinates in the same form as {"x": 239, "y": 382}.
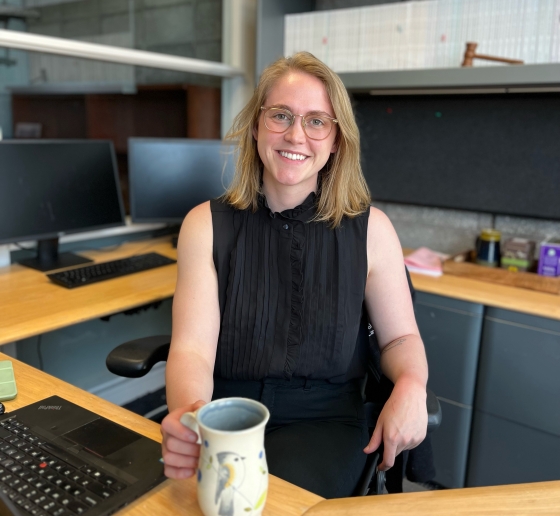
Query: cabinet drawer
{"x": 504, "y": 452}
{"x": 451, "y": 332}
{"x": 519, "y": 372}
{"x": 450, "y": 444}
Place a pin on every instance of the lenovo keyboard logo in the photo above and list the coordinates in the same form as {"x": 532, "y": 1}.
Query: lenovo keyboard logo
{"x": 49, "y": 407}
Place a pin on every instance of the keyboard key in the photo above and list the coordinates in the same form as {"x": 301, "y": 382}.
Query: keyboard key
{"x": 77, "y": 491}
{"x": 90, "y": 499}
{"x": 96, "y": 474}
{"x": 39, "y": 499}
{"x": 59, "y": 511}
{"x": 76, "y": 477}
{"x": 65, "y": 499}
{"x": 48, "y": 505}
{"x": 100, "y": 490}
{"x": 14, "y": 483}
{"x": 77, "y": 507}
{"x": 107, "y": 480}
{"x": 67, "y": 471}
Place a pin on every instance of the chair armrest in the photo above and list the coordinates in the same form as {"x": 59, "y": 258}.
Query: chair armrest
{"x": 136, "y": 358}
{"x": 434, "y": 411}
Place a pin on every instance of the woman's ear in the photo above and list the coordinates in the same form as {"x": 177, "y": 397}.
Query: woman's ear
{"x": 256, "y": 132}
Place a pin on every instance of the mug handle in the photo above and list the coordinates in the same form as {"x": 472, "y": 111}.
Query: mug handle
{"x": 188, "y": 419}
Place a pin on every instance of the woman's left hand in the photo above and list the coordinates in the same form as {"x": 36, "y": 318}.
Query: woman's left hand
{"x": 403, "y": 422}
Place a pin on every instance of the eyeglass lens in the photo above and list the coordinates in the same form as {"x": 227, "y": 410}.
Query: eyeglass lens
{"x": 317, "y": 127}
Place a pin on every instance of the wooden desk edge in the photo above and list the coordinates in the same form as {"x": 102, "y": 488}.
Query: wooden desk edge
{"x": 540, "y": 498}
{"x": 486, "y": 293}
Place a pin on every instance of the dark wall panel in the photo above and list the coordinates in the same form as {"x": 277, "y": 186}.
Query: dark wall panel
{"x": 494, "y": 153}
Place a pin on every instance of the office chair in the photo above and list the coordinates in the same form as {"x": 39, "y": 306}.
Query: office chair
{"x": 136, "y": 358}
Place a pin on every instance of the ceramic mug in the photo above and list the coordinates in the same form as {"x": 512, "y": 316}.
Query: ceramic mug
{"x": 232, "y": 472}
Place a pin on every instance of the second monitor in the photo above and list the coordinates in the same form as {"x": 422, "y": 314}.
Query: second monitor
{"x": 169, "y": 177}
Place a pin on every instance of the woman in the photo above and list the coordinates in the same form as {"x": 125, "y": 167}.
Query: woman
{"x": 272, "y": 280}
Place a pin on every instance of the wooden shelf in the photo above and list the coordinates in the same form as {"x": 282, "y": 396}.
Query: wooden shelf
{"x": 502, "y": 79}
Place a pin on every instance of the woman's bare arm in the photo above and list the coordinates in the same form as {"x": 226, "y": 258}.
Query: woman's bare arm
{"x": 196, "y": 314}
{"x": 196, "y": 324}
{"x": 403, "y": 422}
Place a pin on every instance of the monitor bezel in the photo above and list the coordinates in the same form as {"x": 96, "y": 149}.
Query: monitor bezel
{"x": 60, "y": 234}
{"x": 132, "y": 201}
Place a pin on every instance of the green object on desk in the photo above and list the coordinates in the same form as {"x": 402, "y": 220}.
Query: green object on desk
{"x": 8, "y": 389}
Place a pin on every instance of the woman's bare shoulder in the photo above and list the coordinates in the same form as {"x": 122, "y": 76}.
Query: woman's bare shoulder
{"x": 197, "y": 227}
{"x": 383, "y": 243}
{"x": 378, "y": 223}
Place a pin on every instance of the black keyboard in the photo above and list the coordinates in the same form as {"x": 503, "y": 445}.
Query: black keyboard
{"x": 88, "y": 274}
{"x": 35, "y": 477}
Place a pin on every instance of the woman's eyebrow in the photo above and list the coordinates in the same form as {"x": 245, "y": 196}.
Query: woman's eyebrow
{"x": 313, "y": 112}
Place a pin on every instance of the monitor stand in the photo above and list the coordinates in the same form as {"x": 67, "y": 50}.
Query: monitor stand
{"x": 49, "y": 259}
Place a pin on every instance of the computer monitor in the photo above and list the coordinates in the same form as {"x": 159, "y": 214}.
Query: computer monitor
{"x": 50, "y": 188}
{"x": 169, "y": 177}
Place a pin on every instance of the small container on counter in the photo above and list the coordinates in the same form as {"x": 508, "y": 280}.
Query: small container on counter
{"x": 488, "y": 248}
{"x": 518, "y": 254}
{"x": 549, "y": 258}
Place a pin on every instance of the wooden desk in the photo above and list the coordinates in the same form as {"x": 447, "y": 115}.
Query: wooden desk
{"x": 540, "y": 498}
{"x": 30, "y": 304}
{"x": 173, "y": 496}
{"x": 489, "y": 294}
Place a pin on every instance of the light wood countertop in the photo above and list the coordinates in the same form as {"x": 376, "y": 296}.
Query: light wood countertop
{"x": 539, "y": 498}
{"x": 490, "y": 294}
{"x": 172, "y": 496}
{"x": 31, "y": 304}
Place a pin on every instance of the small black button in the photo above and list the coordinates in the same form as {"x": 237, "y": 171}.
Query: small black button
{"x": 285, "y": 226}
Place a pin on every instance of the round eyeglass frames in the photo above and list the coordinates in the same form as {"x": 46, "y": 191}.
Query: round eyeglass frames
{"x": 316, "y": 126}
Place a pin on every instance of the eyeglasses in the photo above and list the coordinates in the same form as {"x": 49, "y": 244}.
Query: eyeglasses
{"x": 316, "y": 127}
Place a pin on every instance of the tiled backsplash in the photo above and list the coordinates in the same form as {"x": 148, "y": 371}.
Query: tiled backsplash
{"x": 453, "y": 231}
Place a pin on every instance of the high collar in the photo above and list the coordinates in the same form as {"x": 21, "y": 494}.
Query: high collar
{"x": 304, "y": 212}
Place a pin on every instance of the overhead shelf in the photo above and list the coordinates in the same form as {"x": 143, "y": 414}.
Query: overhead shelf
{"x": 456, "y": 80}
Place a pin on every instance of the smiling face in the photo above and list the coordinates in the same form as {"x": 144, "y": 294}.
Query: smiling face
{"x": 292, "y": 159}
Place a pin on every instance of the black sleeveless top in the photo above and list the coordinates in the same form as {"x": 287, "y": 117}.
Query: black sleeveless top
{"x": 291, "y": 293}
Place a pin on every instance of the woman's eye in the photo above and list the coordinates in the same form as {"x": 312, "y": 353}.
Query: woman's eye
{"x": 316, "y": 122}
{"x": 281, "y": 117}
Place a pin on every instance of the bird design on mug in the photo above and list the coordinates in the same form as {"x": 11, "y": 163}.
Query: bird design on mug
{"x": 231, "y": 474}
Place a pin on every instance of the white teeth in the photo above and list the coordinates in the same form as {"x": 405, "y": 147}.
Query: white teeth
{"x": 295, "y": 157}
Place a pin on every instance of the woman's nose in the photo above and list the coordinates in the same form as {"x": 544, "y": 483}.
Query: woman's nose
{"x": 295, "y": 132}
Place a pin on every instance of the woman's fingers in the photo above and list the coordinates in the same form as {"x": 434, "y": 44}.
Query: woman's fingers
{"x": 174, "y": 445}
{"x": 390, "y": 451}
{"x": 179, "y": 449}
{"x": 376, "y": 438}
{"x": 178, "y": 473}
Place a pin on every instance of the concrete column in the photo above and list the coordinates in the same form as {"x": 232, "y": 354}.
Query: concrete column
{"x": 238, "y": 49}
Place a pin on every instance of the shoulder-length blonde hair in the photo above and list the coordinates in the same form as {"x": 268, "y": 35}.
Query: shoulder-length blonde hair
{"x": 343, "y": 190}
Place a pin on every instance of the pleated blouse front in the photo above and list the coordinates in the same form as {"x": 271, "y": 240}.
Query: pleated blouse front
{"x": 291, "y": 292}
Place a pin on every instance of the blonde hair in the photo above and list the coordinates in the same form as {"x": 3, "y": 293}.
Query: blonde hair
{"x": 343, "y": 190}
